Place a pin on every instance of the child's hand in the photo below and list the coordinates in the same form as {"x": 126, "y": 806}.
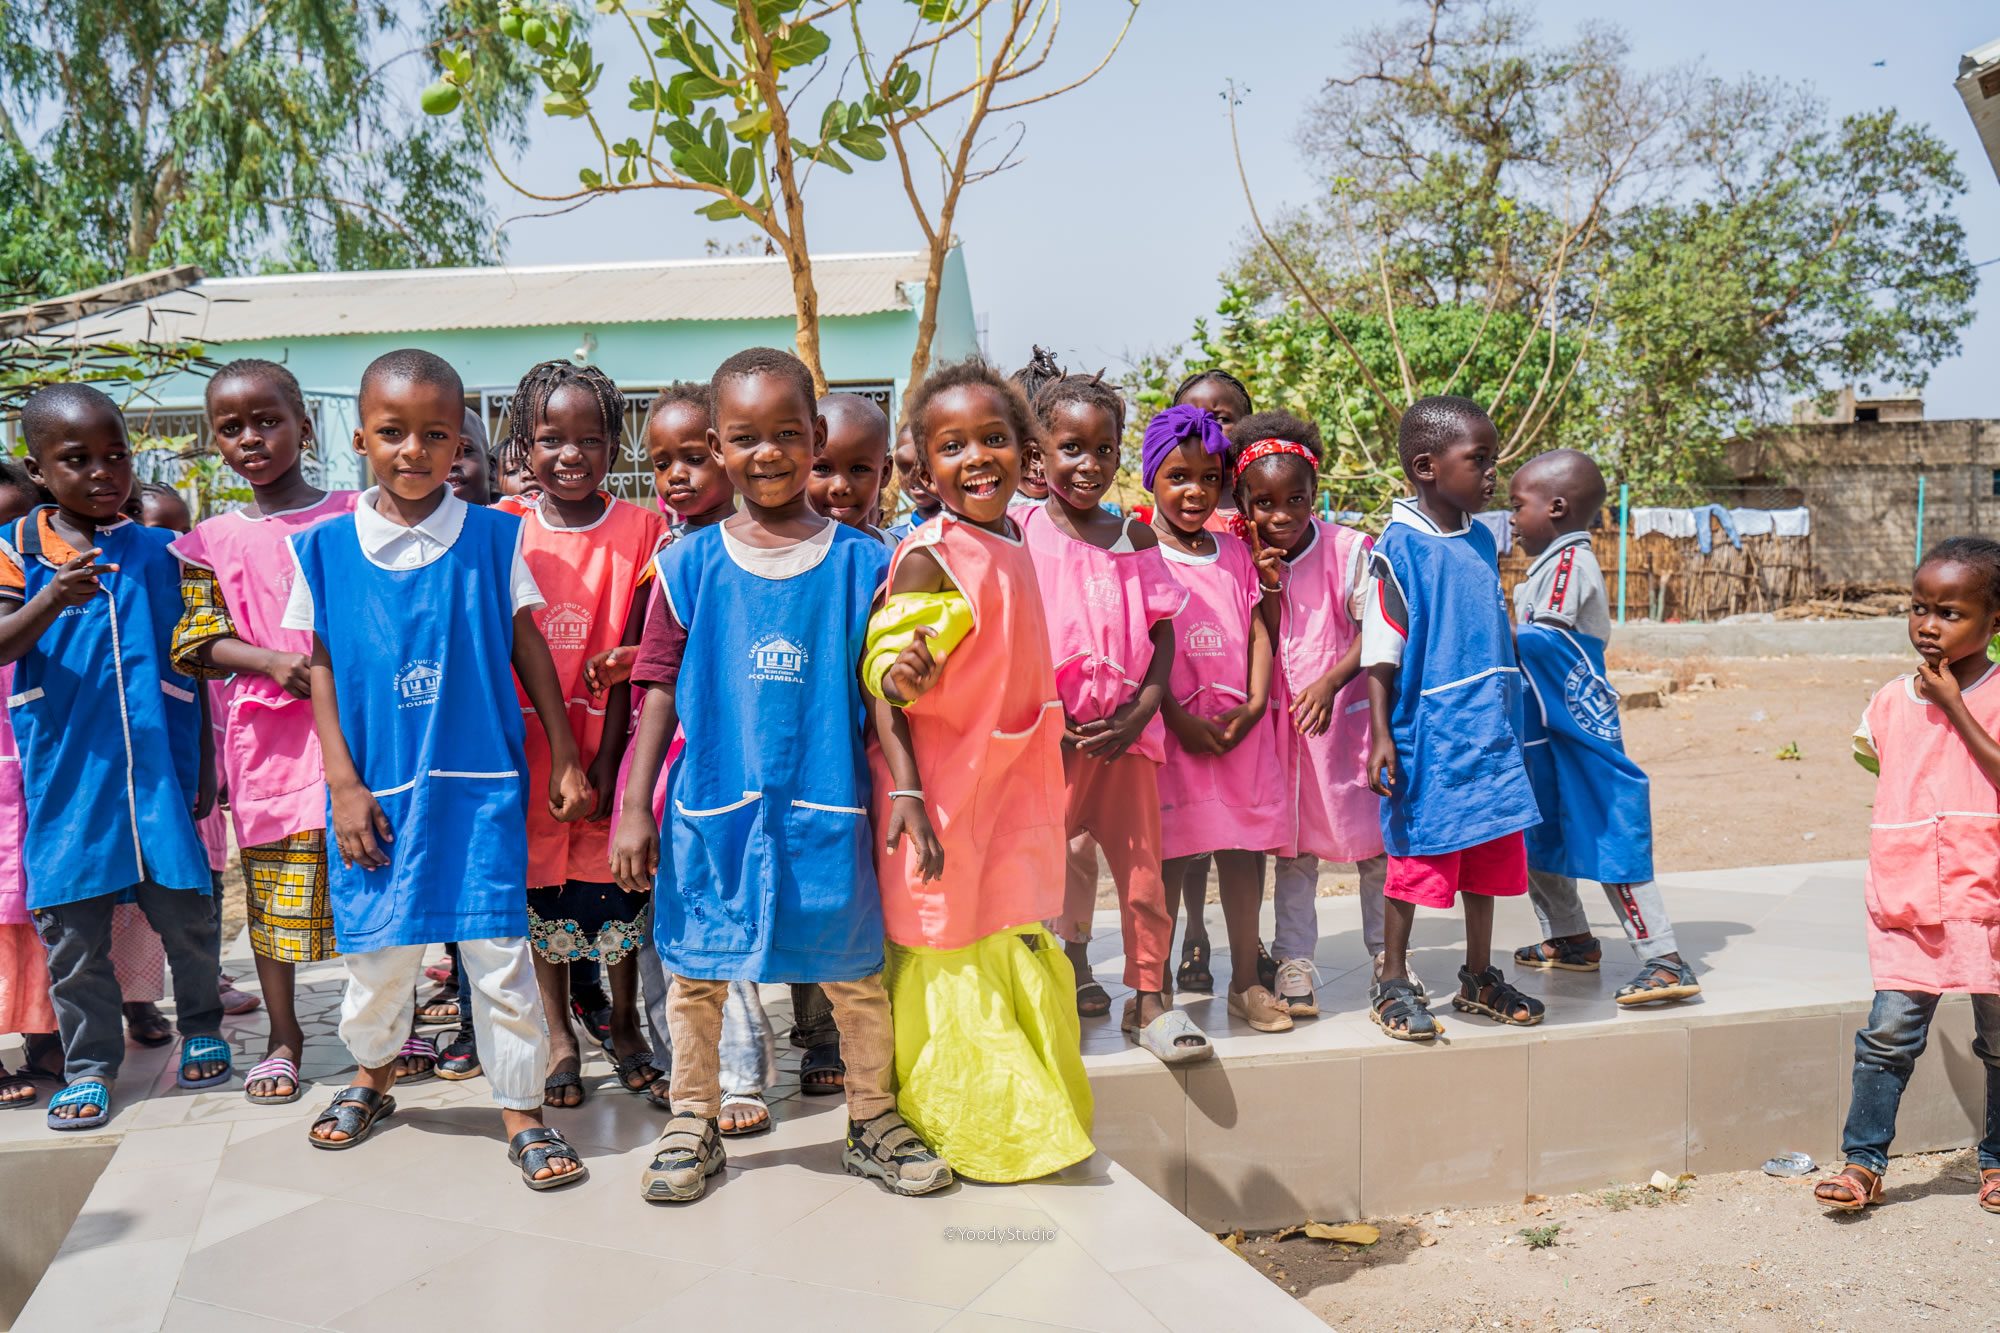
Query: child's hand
{"x": 913, "y": 672}
{"x": 76, "y": 582}
{"x": 1312, "y": 711}
{"x": 635, "y": 854}
{"x": 292, "y": 672}
{"x": 611, "y": 667}
{"x": 1383, "y": 771}
{"x": 360, "y": 829}
{"x": 1237, "y": 723}
{"x": 1936, "y": 683}
{"x": 1110, "y": 739}
{"x": 1270, "y": 561}
{"x": 570, "y": 795}
{"x": 603, "y": 777}
{"x": 908, "y": 815}
{"x": 1197, "y": 735}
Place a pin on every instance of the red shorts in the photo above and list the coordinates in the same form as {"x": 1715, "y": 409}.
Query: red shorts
{"x": 1498, "y": 869}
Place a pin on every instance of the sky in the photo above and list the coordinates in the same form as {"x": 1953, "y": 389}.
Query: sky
{"x": 1108, "y": 239}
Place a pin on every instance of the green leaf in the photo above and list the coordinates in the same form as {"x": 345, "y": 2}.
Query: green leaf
{"x": 753, "y": 122}
{"x": 564, "y": 104}
{"x": 720, "y": 211}
{"x": 866, "y": 143}
{"x": 937, "y": 11}
{"x": 590, "y": 178}
{"x": 743, "y": 171}
{"x": 798, "y": 44}
{"x": 693, "y": 87}
{"x": 824, "y": 153}
{"x": 628, "y": 170}
{"x": 830, "y": 121}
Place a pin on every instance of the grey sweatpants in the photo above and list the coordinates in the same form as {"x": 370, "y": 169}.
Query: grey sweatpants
{"x": 1640, "y": 909}
{"x": 1294, "y": 905}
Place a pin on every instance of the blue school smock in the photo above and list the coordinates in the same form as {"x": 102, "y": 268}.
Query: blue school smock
{"x": 423, "y": 671}
{"x": 766, "y": 868}
{"x": 109, "y": 733}
{"x": 1457, "y": 716}
{"x": 1595, "y": 802}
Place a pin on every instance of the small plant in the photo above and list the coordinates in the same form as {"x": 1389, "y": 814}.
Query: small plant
{"x": 1791, "y": 751}
{"x": 1618, "y": 1198}
{"x": 1541, "y": 1237}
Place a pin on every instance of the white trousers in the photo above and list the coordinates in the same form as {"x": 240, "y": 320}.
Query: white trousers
{"x": 499, "y": 977}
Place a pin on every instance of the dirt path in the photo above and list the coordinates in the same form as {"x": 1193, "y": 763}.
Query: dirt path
{"x": 1739, "y": 1251}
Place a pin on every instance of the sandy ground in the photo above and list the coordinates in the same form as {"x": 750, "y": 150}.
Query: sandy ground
{"x": 1741, "y": 1251}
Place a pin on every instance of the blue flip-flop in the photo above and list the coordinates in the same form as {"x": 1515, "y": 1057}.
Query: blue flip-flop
{"x": 91, "y": 1094}
{"x": 201, "y": 1050}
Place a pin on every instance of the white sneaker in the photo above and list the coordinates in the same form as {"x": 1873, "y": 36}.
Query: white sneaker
{"x": 1297, "y": 980}
{"x": 1409, "y": 970}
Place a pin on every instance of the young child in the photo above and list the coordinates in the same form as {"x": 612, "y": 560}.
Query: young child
{"x": 847, "y": 476}
{"x": 1595, "y": 803}
{"x": 1110, "y": 603}
{"x": 909, "y": 481}
{"x": 471, "y": 475}
{"x": 1933, "y": 888}
{"x": 1223, "y": 397}
{"x": 1217, "y": 797}
{"x": 1444, "y": 698}
{"x": 1042, "y": 369}
{"x": 762, "y": 865}
{"x": 588, "y": 554}
{"x": 90, "y": 600}
{"x": 418, "y": 604}
{"x": 24, "y": 965}
{"x": 968, "y": 801}
{"x": 1314, "y": 576}
{"x": 235, "y": 570}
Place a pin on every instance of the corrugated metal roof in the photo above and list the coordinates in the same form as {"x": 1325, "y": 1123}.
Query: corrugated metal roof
{"x": 309, "y": 305}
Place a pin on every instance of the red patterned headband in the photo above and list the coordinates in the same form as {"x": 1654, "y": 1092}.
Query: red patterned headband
{"x": 1267, "y": 448}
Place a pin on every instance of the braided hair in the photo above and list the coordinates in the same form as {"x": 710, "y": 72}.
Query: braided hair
{"x": 1041, "y": 370}
{"x": 1214, "y": 373}
{"x": 1089, "y": 390}
{"x": 531, "y": 401}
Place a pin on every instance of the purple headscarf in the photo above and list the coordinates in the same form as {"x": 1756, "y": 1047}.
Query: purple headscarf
{"x": 1166, "y": 432}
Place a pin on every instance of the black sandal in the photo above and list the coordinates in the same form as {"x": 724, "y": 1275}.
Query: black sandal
{"x": 1505, "y": 1005}
{"x": 354, "y": 1112}
{"x": 145, "y": 1024}
{"x": 1193, "y": 975}
{"x": 1092, "y": 1000}
{"x": 631, "y": 1064}
{"x": 824, "y": 1059}
{"x": 566, "y": 1078}
{"x": 1561, "y": 955}
{"x": 1659, "y": 980}
{"x": 1398, "y": 1008}
{"x": 532, "y": 1149}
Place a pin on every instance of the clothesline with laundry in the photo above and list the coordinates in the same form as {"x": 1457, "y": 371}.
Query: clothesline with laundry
{"x": 1692, "y": 522}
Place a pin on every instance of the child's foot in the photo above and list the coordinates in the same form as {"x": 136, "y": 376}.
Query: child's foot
{"x": 685, "y": 1157}
{"x": 1567, "y": 953}
{"x": 84, "y": 1104}
{"x": 545, "y": 1159}
{"x": 417, "y": 1060}
{"x": 1194, "y": 974}
{"x": 460, "y": 1060}
{"x": 1989, "y": 1189}
{"x": 888, "y": 1150}
{"x": 1850, "y": 1189}
{"x": 1399, "y": 1009}
{"x": 1297, "y": 988}
{"x": 1661, "y": 979}
{"x": 441, "y": 1010}
{"x": 350, "y": 1117}
{"x": 563, "y": 1088}
{"x": 1260, "y": 1009}
{"x": 145, "y": 1024}
{"x": 823, "y": 1073}
{"x": 743, "y": 1113}
{"x": 636, "y": 1072}
{"x": 1168, "y": 1033}
{"x": 1488, "y": 993}
{"x": 274, "y": 1080}
{"x": 1409, "y": 974}
{"x": 236, "y": 1002}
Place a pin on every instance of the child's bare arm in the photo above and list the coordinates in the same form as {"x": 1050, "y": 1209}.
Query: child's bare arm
{"x": 74, "y": 584}
{"x": 570, "y": 797}
{"x": 1313, "y": 709}
{"x": 1112, "y": 737}
{"x": 635, "y": 850}
{"x": 617, "y": 714}
{"x": 360, "y": 829}
{"x": 1940, "y": 686}
{"x": 1383, "y": 772}
{"x": 1238, "y": 721}
{"x": 907, "y": 811}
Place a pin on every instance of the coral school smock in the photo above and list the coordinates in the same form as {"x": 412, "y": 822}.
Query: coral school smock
{"x": 1437, "y": 614}
{"x": 587, "y": 577}
{"x": 1933, "y": 886}
{"x": 1334, "y": 815}
{"x": 267, "y": 751}
{"x": 1595, "y": 802}
{"x": 419, "y": 625}
{"x": 24, "y": 963}
{"x": 1101, "y": 606}
{"x": 765, "y": 872}
{"x": 109, "y": 733}
{"x": 1232, "y": 801}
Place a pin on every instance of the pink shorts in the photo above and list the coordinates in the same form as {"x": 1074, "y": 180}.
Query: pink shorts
{"x": 1498, "y": 869}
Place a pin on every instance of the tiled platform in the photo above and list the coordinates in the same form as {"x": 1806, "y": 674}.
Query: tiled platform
{"x": 214, "y": 1214}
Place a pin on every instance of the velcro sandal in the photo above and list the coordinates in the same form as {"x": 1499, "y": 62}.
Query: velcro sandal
{"x": 1561, "y": 955}
{"x": 1660, "y": 980}
{"x": 685, "y": 1157}
{"x": 1399, "y": 1009}
{"x": 1489, "y": 993}
{"x": 888, "y": 1150}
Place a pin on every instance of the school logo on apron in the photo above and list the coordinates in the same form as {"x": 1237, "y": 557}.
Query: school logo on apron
{"x": 566, "y": 625}
{"x": 776, "y": 657}
{"x": 417, "y": 683}
{"x": 1592, "y": 701}
{"x": 1101, "y": 592}
{"x": 1205, "y": 640}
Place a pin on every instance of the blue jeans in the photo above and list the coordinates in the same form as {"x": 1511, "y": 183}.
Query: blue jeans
{"x": 84, "y": 990}
{"x": 1899, "y": 1026}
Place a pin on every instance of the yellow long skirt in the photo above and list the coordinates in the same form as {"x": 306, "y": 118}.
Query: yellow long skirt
{"x": 988, "y": 1066}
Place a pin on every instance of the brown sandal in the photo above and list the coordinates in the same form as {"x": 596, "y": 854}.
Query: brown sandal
{"x": 1857, "y": 1186}
{"x": 1989, "y": 1189}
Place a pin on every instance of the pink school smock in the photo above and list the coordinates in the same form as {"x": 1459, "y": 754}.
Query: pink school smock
{"x": 1933, "y": 873}
{"x": 1229, "y": 802}
{"x": 267, "y": 752}
{"x": 988, "y": 742}
{"x": 587, "y": 577}
{"x": 1335, "y": 816}
{"x": 24, "y": 966}
{"x": 1101, "y": 607}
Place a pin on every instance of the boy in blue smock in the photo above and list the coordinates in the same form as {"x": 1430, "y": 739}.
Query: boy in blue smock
{"x": 1596, "y": 804}
{"x": 763, "y": 871}
{"x": 111, "y": 747}
{"x": 1444, "y": 696}
{"x": 420, "y": 609}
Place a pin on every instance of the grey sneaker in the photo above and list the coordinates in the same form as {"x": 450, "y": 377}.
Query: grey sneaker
{"x": 685, "y": 1157}
{"x": 1298, "y": 980}
{"x": 888, "y": 1150}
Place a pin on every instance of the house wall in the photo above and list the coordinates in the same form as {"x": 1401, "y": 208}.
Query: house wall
{"x": 1860, "y": 480}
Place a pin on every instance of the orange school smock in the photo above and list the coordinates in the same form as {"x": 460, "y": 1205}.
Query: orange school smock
{"x": 587, "y": 577}
{"x": 988, "y": 742}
